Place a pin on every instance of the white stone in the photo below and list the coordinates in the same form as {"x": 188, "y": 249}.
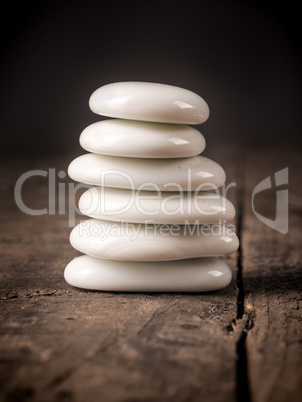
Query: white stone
{"x": 194, "y": 275}
{"x": 195, "y": 172}
{"x": 149, "y": 102}
{"x": 139, "y": 139}
{"x": 155, "y": 207}
{"x": 139, "y": 242}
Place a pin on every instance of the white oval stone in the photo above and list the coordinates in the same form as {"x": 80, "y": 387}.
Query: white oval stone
{"x": 139, "y": 242}
{"x": 149, "y": 102}
{"x": 142, "y": 139}
{"x": 194, "y": 275}
{"x": 186, "y": 174}
{"x": 155, "y": 207}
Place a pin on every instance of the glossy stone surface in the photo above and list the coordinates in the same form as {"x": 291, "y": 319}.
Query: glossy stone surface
{"x": 162, "y": 207}
{"x": 149, "y": 102}
{"x": 194, "y": 275}
{"x": 138, "y": 242}
{"x": 141, "y": 139}
{"x": 149, "y": 174}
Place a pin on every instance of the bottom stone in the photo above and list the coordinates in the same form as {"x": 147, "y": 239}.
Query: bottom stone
{"x": 192, "y": 275}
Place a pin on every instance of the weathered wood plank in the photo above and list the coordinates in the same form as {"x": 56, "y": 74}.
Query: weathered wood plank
{"x": 272, "y": 283}
{"x": 59, "y": 343}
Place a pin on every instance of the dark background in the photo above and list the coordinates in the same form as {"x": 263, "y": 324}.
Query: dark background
{"x": 242, "y": 57}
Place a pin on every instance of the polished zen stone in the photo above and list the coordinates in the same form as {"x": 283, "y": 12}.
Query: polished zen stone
{"x": 193, "y": 275}
{"x": 141, "y": 139}
{"x": 149, "y": 102}
{"x": 186, "y": 174}
{"x": 139, "y": 242}
{"x": 163, "y": 207}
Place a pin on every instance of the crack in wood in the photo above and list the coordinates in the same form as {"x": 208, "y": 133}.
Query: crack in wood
{"x": 242, "y": 377}
{"x": 243, "y": 388}
{"x": 12, "y": 295}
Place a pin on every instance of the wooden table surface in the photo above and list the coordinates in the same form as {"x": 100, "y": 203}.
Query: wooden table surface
{"x": 242, "y": 343}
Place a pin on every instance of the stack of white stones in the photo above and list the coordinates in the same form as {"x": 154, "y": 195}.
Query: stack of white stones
{"x": 157, "y": 225}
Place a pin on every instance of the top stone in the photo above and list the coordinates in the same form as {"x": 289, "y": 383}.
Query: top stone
{"x": 149, "y": 102}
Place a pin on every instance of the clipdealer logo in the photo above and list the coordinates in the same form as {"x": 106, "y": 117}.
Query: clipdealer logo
{"x": 67, "y": 192}
{"x": 280, "y": 223}
{"x": 61, "y": 193}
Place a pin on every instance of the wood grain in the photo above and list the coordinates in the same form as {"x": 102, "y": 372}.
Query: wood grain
{"x": 59, "y": 343}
